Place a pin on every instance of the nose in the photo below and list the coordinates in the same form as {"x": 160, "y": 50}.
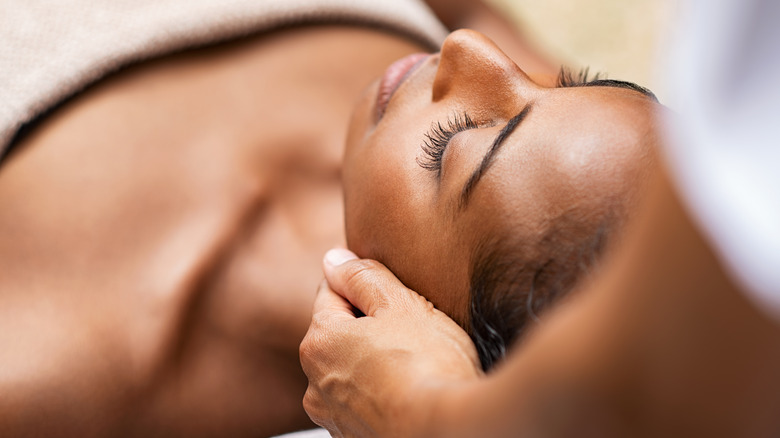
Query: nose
{"x": 473, "y": 68}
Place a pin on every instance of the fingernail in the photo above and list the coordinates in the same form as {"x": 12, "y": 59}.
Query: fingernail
{"x": 338, "y": 256}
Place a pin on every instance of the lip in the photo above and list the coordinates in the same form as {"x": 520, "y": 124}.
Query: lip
{"x": 394, "y": 76}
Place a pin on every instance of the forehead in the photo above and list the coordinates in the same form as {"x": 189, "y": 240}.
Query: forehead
{"x": 578, "y": 148}
{"x": 608, "y": 112}
{"x": 582, "y": 126}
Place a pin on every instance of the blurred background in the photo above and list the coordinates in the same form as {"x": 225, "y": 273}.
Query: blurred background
{"x": 621, "y": 38}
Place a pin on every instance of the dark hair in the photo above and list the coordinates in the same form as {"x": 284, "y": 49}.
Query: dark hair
{"x": 511, "y": 285}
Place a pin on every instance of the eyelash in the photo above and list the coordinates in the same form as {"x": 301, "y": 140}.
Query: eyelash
{"x": 566, "y": 78}
{"x": 439, "y": 136}
{"x": 583, "y": 78}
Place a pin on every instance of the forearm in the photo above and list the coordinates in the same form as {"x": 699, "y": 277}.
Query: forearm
{"x": 703, "y": 358}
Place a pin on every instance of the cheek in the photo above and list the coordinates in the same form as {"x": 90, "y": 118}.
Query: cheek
{"x": 379, "y": 199}
{"x": 388, "y": 218}
{"x": 390, "y": 214}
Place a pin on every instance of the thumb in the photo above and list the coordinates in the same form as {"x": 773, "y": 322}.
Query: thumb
{"x": 365, "y": 283}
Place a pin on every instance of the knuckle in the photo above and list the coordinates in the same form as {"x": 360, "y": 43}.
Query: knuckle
{"x": 310, "y": 347}
{"x": 309, "y": 403}
{"x": 318, "y": 322}
{"x": 305, "y": 349}
{"x": 416, "y": 302}
{"x": 361, "y": 272}
{"x": 366, "y": 278}
{"x": 311, "y": 406}
{"x": 316, "y": 409}
{"x": 321, "y": 343}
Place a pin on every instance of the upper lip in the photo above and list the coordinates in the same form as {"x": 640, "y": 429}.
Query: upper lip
{"x": 390, "y": 82}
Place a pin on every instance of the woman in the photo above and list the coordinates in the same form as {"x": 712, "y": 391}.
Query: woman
{"x": 161, "y": 230}
{"x": 677, "y": 335}
{"x": 512, "y": 196}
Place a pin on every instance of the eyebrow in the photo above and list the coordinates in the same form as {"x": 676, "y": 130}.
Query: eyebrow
{"x": 487, "y": 160}
{"x": 614, "y": 83}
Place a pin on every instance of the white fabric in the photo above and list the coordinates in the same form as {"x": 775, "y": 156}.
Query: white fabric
{"x": 725, "y": 148}
{"x": 53, "y": 49}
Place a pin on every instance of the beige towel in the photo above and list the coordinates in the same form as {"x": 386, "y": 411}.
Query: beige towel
{"x": 53, "y": 49}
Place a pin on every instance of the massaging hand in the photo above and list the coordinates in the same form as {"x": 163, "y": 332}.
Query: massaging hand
{"x": 372, "y": 375}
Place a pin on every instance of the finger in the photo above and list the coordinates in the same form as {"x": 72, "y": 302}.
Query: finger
{"x": 329, "y": 304}
{"x": 367, "y": 284}
{"x": 331, "y": 314}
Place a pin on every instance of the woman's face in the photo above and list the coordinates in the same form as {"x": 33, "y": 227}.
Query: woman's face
{"x": 511, "y": 159}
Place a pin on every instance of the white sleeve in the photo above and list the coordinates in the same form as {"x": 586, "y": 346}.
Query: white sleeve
{"x": 724, "y": 148}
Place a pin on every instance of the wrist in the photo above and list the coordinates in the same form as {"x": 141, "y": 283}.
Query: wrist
{"x": 444, "y": 409}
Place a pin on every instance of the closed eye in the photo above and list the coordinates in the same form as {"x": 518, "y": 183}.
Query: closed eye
{"x": 438, "y": 138}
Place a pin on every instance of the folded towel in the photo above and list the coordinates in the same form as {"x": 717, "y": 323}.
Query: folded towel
{"x": 52, "y": 50}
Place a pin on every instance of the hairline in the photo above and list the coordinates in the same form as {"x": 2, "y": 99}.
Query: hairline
{"x": 507, "y": 291}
